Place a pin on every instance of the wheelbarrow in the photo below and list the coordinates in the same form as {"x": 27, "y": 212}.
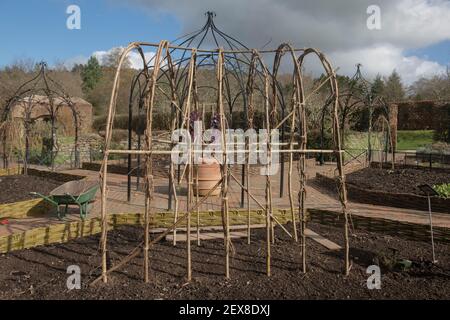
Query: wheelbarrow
{"x": 77, "y": 192}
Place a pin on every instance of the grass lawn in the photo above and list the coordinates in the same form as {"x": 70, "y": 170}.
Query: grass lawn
{"x": 406, "y": 139}
{"x": 414, "y": 139}
{"x": 359, "y": 140}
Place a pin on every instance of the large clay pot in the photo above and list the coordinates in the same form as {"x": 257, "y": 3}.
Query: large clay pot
{"x": 208, "y": 173}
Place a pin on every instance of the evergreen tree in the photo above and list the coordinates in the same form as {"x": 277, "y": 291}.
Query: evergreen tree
{"x": 378, "y": 87}
{"x": 91, "y": 74}
{"x": 394, "y": 90}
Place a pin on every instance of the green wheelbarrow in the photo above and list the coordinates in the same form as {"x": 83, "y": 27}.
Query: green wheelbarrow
{"x": 78, "y": 192}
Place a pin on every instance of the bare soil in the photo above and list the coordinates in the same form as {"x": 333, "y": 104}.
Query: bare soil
{"x": 18, "y": 187}
{"x": 41, "y": 273}
{"x": 397, "y": 181}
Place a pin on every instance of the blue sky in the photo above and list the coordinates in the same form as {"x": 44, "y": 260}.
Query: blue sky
{"x": 36, "y": 29}
{"x": 414, "y": 39}
{"x": 439, "y": 52}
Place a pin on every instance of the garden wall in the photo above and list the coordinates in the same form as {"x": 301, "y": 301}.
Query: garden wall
{"x": 425, "y": 115}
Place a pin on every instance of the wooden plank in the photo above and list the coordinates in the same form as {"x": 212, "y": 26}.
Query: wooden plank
{"x": 64, "y": 231}
{"x": 321, "y": 240}
{"x": 24, "y": 209}
{"x": 207, "y": 236}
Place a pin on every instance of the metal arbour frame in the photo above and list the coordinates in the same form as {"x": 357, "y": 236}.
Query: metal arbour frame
{"x": 238, "y": 65}
{"x": 361, "y": 90}
{"x": 40, "y": 85}
{"x": 161, "y": 76}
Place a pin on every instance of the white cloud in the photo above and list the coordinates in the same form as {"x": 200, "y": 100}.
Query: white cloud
{"x": 338, "y": 28}
{"x": 134, "y": 57}
{"x": 382, "y": 60}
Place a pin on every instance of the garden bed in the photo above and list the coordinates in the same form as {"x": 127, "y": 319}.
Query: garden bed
{"x": 18, "y": 187}
{"x": 394, "y": 188}
{"x": 44, "y": 276}
{"x": 403, "y": 180}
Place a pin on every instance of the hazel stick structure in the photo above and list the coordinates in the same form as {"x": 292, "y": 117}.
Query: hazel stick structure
{"x": 177, "y": 80}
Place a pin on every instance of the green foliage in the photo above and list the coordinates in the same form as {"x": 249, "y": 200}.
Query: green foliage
{"x": 35, "y": 156}
{"x": 443, "y": 190}
{"x": 378, "y": 87}
{"x": 359, "y": 140}
{"x": 393, "y": 89}
{"x": 91, "y": 74}
{"x": 406, "y": 140}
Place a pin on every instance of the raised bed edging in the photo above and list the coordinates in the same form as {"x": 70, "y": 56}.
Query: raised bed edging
{"x": 64, "y": 232}
{"x": 10, "y": 171}
{"x": 388, "y": 166}
{"x": 398, "y": 200}
{"x": 24, "y": 209}
{"x": 112, "y": 168}
{"x": 406, "y": 230}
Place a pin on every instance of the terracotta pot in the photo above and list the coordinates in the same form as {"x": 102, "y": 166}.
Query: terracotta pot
{"x": 209, "y": 174}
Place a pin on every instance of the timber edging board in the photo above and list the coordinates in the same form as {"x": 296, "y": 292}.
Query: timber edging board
{"x": 10, "y": 171}
{"x": 404, "y": 230}
{"x": 24, "y": 209}
{"x": 64, "y": 232}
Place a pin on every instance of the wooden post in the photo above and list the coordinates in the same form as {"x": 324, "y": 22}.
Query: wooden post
{"x": 149, "y": 103}
{"x": 225, "y": 216}
{"x": 104, "y": 234}
{"x": 291, "y": 160}
{"x": 250, "y": 115}
{"x": 189, "y": 165}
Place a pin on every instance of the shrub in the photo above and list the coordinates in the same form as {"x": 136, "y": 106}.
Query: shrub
{"x": 443, "y": 190}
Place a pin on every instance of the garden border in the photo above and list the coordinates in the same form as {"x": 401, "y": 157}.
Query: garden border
{"x": 32, "y": 207}
{"x": 390, "y": 199}
{"x": 64, "y": 232}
